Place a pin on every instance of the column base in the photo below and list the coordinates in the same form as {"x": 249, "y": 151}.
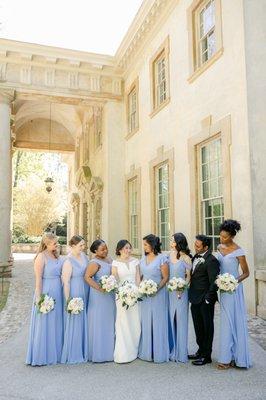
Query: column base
{"x": 6, "y": 268}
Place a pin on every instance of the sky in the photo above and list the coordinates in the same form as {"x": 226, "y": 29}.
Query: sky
{"x": 96, "y": 26}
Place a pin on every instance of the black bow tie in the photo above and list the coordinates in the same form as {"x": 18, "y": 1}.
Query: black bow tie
{"x": 198, "y": 256}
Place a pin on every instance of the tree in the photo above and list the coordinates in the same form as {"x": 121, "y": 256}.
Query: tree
{"x": 35, "y": 209}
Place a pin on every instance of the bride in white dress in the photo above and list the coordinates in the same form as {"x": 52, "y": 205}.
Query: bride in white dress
{"x": 127, "y": 326}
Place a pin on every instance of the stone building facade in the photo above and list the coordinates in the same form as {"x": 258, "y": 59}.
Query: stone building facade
{"x": 167, "y": 135}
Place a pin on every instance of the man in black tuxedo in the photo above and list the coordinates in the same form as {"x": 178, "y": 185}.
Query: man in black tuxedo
{"x": 202, "y": 296}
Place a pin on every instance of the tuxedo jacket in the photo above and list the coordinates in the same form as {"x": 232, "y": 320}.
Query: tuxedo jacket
{"x": 202, "y": 283}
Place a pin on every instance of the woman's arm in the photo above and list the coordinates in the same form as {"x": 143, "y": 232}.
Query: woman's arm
{"x": 165, "y": 275}
{"x": 38, "y": 271}
{"x": 137, "y": 276}
{"x": 244, "y": 267}
{"x": 115, "y": 273}
{"x": 188, "y": 275}
{"x": 91, "y": 270}
{"x": 66, "y": 276}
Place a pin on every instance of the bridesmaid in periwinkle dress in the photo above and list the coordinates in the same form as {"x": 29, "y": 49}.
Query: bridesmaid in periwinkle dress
{"x": 75, "y": 348}
{"x": 234, "y": 349}
{"x": 127, "y": 325}
{"x": 154, "y": 345}
{"x": 101, "y": 309}
{"x": 180, "y": 267}
{"x": 46, "y": 330}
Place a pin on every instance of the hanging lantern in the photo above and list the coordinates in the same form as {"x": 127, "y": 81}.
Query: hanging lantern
{"x": 49, "y": 182}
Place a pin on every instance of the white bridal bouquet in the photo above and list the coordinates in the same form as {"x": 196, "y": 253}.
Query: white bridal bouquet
{"x": 75, "y": 305}
{"x": 45, "y": 304}
{"x": 226, "y": 283}
{"x": 108, "y": 283}
{"x": 148, "y": 287}
{"x": 178, "y": 284}
{"x": 128, "y": 294}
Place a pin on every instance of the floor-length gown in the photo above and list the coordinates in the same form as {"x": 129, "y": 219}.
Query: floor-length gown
{"x": 127, "y": 325}
{"x": 46, "y": 330}
{"x": 154, "y": 345}
{"x": 178, "y": 313}
{"x": 101, "y": 319}
{"x": 75, "y": 347}
{"x": 233, "y": 317}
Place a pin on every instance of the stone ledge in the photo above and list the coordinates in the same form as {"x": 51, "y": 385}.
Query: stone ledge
{"x": 260, "y": 274}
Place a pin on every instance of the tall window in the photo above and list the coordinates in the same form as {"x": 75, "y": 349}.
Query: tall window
{"x": 211, "y": 189}
{"x": 133, "y": 212}
{"x": 206, "y": 34}
{"x": 162, "y": 204}
{"x": 159, "y": 75}
{"x": 132, "y": 110}
{"x": 160, "y": 80}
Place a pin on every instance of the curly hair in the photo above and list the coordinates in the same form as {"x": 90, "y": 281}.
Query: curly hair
{"x": 231, "y": 226}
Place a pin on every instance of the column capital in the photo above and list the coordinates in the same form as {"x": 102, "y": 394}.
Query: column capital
{"x": 6, "y": 96}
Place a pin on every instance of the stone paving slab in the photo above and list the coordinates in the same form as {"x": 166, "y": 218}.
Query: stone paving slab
{"x": 138, "y": 380}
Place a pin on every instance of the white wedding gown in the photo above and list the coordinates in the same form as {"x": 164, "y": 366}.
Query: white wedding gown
{"x": 127, "y": 325}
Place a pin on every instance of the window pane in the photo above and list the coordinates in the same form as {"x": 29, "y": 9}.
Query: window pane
{"x": 212, "y": 191}
{"x": 208, "y": 224}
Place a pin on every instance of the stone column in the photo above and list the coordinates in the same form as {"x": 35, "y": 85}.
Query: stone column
{"x": 5, "y": 183}
{"x": 255, "y": 39}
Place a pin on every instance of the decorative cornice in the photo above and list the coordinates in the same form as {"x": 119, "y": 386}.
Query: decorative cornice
{"x": 150, "y": 14}
{"x": 6, "y": 96}
{"x": 28, "y": 66}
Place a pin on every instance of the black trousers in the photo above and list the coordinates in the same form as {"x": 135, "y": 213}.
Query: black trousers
{"x": 202, "y": 315}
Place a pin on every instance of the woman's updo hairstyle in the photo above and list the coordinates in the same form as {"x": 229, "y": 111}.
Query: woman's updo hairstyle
{"x": 154, "y": 242}
{"x": 75, "y": 240}
{"x": 181, "y": 243}
{"x": 120, "y": 245}
{"x": 96, "y": 244}
{"x": 231, "y": 226}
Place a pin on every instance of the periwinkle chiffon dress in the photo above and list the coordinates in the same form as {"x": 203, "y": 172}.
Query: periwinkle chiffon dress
{"x": 101, "y": 319}
{"x": 75, "y": 347}
{"x": 46, "y": 330}
{"x": 154, "y": 344}
{"x": 233, "y": 317}
{"x": 178, "y": 314}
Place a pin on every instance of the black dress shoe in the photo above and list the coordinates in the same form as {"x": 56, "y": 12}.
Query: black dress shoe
{"x": 202, "y": 361}
{"x": 195, "y": 356}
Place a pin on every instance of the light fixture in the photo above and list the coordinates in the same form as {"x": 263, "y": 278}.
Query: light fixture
{"x": 49, "y": 182}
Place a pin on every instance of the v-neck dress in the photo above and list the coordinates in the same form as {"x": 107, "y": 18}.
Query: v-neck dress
{"x": 178, "y": 313}
{"x": 127, "y": 325}
{"x": 233, "y": 316}
{"x": 154, "y": 344}
{"x": 75, "y": 348}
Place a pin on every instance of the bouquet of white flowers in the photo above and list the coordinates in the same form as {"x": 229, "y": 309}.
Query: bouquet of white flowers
{"x": 108, "y": 283}
{"x": 226, "y": 283}
{"x": 128, "y": 294}
{"x": 75, "y": 305}
{"x": 148, "y": 287}
{"x": 45, "y": 304}
{"x": 178, "y": 284}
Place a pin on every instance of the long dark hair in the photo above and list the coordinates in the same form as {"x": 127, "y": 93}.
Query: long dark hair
{"x": 181, "y": 244}
{"x": 154, "y": 242}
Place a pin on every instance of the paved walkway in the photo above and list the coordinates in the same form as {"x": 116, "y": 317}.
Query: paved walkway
{"x": 138, "y": 380}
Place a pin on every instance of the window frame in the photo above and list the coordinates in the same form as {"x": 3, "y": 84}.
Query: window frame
{"x": 162, "y": 52}
{"x": 133, "y": 87}
{"x": 196, "y": 67}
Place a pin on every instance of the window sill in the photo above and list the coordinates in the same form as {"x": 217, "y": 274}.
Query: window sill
{"x": 206, "y": 65}
{"x": 160, "y": 107}
{"x": 129, "y": 135}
